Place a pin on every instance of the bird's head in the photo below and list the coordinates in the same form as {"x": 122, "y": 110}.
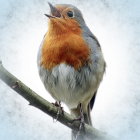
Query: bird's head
{"x": 65, "y": 18}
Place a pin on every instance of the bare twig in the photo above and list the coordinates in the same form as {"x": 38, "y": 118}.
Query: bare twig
{"x": 42, "y": 104}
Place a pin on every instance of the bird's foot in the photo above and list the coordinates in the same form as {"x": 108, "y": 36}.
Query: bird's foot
{"x": 59, "y": 110}
{"x": 81, "y": 129}
{"x": 82, "y": 122}
{"x": 16, "y": 84}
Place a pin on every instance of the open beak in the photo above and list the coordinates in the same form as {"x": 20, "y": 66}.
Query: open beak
{"x": 54, "y": 12}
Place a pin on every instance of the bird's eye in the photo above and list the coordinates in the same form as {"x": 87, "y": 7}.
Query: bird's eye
{"x": 70, "y": 14}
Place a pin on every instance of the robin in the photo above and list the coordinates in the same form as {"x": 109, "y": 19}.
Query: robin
{"x": 70, "y": 61}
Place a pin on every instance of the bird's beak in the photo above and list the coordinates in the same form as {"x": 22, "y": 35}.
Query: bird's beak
{"x": 54, "y": 12}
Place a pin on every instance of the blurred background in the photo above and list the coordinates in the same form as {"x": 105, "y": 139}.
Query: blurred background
{"x": 116, "y": 23}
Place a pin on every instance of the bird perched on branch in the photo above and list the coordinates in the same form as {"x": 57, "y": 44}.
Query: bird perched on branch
{"x": 70, "y": 60}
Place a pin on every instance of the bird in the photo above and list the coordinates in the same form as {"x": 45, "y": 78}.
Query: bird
{"x": 70, "y": 61}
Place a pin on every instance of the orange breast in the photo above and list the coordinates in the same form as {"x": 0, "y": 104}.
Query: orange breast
{"x": 68, "y": 48}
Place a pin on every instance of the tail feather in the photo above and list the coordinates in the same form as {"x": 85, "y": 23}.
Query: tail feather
{"x": 92, "y": 101}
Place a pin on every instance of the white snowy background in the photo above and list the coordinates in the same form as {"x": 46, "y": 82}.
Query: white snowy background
{"x": 116, "y": 23}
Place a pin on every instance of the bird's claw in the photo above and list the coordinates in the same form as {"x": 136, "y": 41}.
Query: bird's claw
{"x": 59, "y": 110}
{"x": 81, "y": 127}
{"x": 82, "y": 123}
{"x": 16, "y": 84}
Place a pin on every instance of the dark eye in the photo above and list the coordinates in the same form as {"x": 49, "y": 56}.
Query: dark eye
{"x": 70, "y": 13}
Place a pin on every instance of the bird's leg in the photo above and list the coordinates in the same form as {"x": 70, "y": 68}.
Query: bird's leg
{"x": 82, "y": 118}
{"x": 81, "y": 127}
{"x": 59, "y": 110}
{"x": 82, "y": 122}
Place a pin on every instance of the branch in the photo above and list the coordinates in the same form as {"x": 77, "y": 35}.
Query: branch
{"x": 42, "y": 104}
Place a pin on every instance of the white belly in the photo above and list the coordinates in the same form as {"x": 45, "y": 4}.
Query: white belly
{"x": 70, "y": 86}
